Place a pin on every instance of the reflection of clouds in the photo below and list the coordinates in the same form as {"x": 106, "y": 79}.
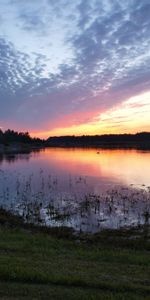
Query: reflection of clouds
{"x": 75, "y": 56}
{"x": 80, "y": 188}
{"x": 109, "y": 167}
{"x": 51, "y": 203}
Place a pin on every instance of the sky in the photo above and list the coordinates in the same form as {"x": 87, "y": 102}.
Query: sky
{"x": 75, "y": 67}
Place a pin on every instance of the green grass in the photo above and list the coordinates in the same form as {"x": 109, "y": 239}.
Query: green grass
{"x": 42, "y": 264}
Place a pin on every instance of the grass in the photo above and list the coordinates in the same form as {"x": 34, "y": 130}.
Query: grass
{"x": 40, "y": 263}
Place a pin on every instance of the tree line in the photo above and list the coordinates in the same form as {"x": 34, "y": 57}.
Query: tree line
{"x": 11, "y": 136}
{"x": 138, "y": 140}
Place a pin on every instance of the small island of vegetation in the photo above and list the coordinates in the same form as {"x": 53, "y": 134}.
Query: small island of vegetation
{"x": 12, "y": 141}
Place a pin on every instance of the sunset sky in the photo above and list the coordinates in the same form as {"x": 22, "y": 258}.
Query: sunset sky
{"x": 75, "y": 67}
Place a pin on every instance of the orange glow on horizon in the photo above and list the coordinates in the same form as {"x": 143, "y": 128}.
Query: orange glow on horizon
{"x": 131, "y": 116}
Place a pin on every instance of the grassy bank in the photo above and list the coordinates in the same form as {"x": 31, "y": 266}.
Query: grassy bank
{"x": 54, "y": 264}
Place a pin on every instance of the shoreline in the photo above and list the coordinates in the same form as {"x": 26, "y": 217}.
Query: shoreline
{"x": 28, "y": 148}
{"x": 39, "y": 263}
{"x": 9, "y": 219}
{"x": 19, "y": 148}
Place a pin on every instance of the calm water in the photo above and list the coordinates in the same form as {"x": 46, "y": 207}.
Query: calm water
{"x": 87, "y": 189}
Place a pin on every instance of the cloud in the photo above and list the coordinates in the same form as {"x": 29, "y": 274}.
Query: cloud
{"x": 68, "y": 62}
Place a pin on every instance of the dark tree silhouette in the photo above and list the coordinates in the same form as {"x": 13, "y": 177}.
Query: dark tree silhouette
{"x": 138, "y": 141}
{"x": 11, "y": 136}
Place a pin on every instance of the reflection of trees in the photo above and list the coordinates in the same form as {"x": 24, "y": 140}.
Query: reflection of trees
{"x": 17, "y": 155}
{"x": 11, "y": 158}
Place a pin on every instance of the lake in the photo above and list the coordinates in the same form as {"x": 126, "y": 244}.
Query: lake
{"x": 87, "y": 189}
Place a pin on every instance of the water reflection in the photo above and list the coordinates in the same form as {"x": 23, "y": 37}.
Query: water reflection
{"x": 78, "y": 187}
{"x": 11, "y": 158}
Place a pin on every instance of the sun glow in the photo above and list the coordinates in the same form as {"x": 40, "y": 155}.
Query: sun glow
{"x": 130, "y": 116}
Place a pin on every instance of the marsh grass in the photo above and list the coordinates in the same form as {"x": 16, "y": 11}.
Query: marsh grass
{"x": 41, "y": 200}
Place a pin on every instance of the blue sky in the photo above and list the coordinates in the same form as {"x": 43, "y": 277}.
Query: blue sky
{"x": 71, "y": 67}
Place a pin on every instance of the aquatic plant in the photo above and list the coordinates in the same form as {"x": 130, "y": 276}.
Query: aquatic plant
{"x": 45, "y": 199}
